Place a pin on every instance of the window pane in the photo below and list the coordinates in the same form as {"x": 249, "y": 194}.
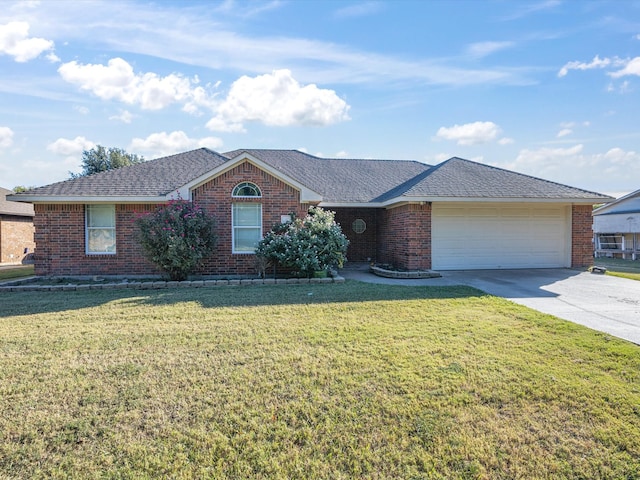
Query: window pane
{"x": 246, "y": 189}
{"x": 245, "y": 239}
{"x": 247, "y": 215}
{"x": 101, "y": 229}
{"x": 101, "y": 216}
{"x": 102, "y": 240}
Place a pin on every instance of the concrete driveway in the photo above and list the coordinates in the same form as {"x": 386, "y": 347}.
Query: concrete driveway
{"x": 601, "y": 302}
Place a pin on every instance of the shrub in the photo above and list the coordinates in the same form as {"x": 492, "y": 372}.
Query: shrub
{"x": 176, "y": 237}
{"x": 306, "y": 245}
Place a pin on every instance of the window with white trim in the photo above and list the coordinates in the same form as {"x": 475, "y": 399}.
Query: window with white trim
{"x": 247, "y": 226}
{"x": 100, "y": 231}
{"x": 246, "y": 219}
{"x": 246, "y": 189}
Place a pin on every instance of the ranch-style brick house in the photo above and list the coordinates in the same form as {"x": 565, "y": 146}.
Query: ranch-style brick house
{"x": 455, "y": 215}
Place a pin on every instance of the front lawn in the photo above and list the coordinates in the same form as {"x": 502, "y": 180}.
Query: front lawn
{"x": 336, "y": 381}
{"x": 16, "y": 273}
{"x": 619, "y": 267}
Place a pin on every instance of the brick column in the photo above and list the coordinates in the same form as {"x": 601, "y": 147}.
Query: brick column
{"x": 581, "y": 235}
{"x": 404, "y": 237}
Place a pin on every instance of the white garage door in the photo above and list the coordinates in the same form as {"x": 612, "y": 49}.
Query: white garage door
{"x": 489, "y": 236}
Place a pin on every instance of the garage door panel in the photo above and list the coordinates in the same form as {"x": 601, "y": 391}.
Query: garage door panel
{"x": 494, "y": 236}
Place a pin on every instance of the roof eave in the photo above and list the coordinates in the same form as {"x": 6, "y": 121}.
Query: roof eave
{"x": 610, "y": 204}
{"x": 401, "y": 200}
{"x": 40, "y": 199}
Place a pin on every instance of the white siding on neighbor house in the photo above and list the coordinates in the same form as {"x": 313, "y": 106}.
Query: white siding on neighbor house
{"x": 617, "y": 223}
{"x": 492, "y": 235}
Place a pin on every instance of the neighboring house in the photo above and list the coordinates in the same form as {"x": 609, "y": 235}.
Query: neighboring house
{"x": 16, "y": 230}
{"x": 455, "y": 215}
{"x": 616, "y": 228}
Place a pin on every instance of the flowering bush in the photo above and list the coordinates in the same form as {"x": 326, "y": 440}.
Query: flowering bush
{"x": 176, "y": 237}
{"x": 306, "y": 245}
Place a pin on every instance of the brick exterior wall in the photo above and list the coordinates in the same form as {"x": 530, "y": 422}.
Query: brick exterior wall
{"x": 581, "y": 235}
{"x": 60, "y": 229}
{"x": 362, "y": 246}
{"x": 404, "y": 236}
{"x": 400, "y": 236}
{"x": 278, "y": 199}
{"x": 16, "y": 235}
{"x": 60, "y": 243}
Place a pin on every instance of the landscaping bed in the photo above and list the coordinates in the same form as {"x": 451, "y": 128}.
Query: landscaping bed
{"x": 389, "y": 271}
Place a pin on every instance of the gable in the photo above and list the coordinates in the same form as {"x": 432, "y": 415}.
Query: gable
{"x": 628, "y": 204}
{"x": 246, "y": 163}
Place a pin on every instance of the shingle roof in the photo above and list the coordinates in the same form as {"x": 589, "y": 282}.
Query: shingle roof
{"x": 14, "y": 208}
{"x": 458, "y": 177}
{"x": 338, "y": 181}
{"x": 153, "y": 178}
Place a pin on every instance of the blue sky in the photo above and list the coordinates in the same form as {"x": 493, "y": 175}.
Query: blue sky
{"x": 549, "y": 88}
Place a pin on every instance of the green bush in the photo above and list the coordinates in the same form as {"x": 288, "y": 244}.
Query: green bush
{"x": 305, "y": 245}
{"x": 176, "y": 237}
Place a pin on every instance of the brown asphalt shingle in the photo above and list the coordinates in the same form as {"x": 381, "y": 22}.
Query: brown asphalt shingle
{"x": 336, "y": 180}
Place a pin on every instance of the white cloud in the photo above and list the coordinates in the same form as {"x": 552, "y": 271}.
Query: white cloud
{"x": 525, "y": 9}
{"x": 67, "y": 147}
{"x": 342, "y": 154}
{"x": 15, "y": 42}
{"x": 564, "y": 132}
{"x": 470, "y": 133}
{"x": 6, "y": 137}
{"x": 52, "y": 57}
{"x": 163, "y": 143}
{"x": 632, "y": 67}
{"x": 506, "y": 141}
{"x": 125, "y": 116}
{"x": 574, "y": 166}
{"x": 81, "y": 109}
{"x": 277, "y": 99}
{"x": 359, "y": 9}
{"x": 619, "y": 157}
{"x": 117, "y": 81}
{"x": 482, "y": 49}
{"x": 549, "y": 163}
{"x": 597, "y": 62}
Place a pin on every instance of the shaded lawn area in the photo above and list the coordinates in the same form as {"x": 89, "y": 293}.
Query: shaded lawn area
{"x": 310, "y": 381}
{"x": 619, "y": 267}
{"x": 17, "y": 272}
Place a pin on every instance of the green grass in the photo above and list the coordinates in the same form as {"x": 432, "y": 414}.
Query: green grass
{"x": 17, "y": 272}
{"x": 310, "y": 381}
{"x": 618, "y": 267}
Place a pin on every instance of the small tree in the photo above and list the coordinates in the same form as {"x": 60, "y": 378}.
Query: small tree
{"x": 306, "y": 245}
{"x": 176, "y": 237}
{"x": 100, "y": 159}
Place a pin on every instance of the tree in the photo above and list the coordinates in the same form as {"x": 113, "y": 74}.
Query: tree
{"x": 100, "y": 159}
{"x": 176, "y": 237}
{"x": 306, "y": 245}
{"x": 22, "y": 188}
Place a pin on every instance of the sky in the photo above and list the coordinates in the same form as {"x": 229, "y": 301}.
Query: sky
{"x": 549, "y": 88}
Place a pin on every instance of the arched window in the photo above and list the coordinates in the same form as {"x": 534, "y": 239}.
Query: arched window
{"x": 246, "y": 218}
{"x": 246, "y": 189}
